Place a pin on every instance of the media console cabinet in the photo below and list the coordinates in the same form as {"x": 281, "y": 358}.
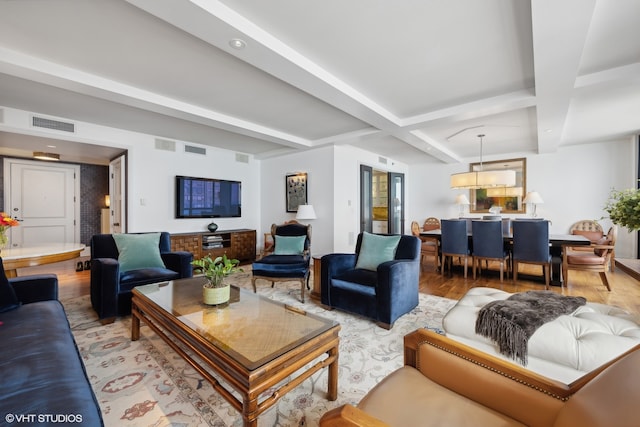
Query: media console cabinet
{"x": 239, "y": 244}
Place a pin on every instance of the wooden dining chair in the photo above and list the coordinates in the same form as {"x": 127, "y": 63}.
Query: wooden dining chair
{"x": 531, "y": 246}
{"x": 428, "y": 246}
{"x": 432, "y": 247}
{"x": 594, "y": 232}
{"x": 596, "y": 260}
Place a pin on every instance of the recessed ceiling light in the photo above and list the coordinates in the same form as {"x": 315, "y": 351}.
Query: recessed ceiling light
{"x": 237, "y": 44}
{"x": 51, "y": 146}
{"x": 40, "y": 155}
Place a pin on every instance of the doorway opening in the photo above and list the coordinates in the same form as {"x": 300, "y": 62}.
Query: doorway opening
{"x": 381, "y": 201}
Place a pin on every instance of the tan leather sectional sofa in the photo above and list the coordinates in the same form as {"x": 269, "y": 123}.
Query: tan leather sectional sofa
{"x": 446, "y": 383}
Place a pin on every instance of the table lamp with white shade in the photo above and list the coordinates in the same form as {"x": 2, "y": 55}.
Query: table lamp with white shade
{"x": 533, "y": 198}
{"x": 462, "y": 201}
{"x": 306, "y": 212}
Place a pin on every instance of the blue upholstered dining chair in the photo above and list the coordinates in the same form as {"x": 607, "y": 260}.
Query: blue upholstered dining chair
{"x": 531, "y": 246}
{"x": 454, "y": 242}
{"x": 488, "y": 245}
{"x": 290, "y": 258}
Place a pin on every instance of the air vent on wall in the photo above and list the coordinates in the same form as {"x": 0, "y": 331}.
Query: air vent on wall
{"x": 382, "y": 160}
{"x": 195, "y": 150}
{"x": 165, "y": 144}
{"x": 41, "y": 122}
{"x": 242, "y": 158}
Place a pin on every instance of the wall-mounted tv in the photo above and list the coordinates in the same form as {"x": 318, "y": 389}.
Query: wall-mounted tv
{"x": 207, "y": 198}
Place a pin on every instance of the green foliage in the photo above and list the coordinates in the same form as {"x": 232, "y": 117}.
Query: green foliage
{"x": 216, "y": 269}
{"x": 623, "y": 208}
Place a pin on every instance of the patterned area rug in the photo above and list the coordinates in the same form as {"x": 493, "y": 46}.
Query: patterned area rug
{"x": 145, "y": 383}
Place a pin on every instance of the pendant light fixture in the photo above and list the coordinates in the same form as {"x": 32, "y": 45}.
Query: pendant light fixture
{"x": 483, "y": 179}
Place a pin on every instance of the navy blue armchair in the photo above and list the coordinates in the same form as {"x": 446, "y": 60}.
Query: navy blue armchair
{"x": 382, "y": 295}
{"x": 111, "y": 287}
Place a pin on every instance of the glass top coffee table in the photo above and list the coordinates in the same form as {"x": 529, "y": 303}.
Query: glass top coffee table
{"x": 252, "y": 342}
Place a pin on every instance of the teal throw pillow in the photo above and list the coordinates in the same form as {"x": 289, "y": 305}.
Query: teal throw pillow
{"x": 289, "y": 245}
{"x": 375, "y": 250}
{"x": 138, "y": 251}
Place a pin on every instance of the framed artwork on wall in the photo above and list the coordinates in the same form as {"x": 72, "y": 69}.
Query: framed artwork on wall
{"x": 510, "y": 199}
{"x": 296, "y": 190}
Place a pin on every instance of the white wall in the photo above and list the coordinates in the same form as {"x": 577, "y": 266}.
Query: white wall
{"x": 574, "y": 183}
{"x": 152, "y": 186}
{"x": 151, "y": 174}
{"x": 318, "y": 164}
{"x": 346, "y": 192}
{"x": 334, "y": 192}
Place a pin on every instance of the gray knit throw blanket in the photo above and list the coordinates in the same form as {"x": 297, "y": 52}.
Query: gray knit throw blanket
{"x": 511, "y": 322}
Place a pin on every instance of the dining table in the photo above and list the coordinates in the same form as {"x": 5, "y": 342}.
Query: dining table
{"x": 556, "y": 242}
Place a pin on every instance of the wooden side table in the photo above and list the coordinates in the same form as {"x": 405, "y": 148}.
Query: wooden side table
{"x": 316, "y": 292}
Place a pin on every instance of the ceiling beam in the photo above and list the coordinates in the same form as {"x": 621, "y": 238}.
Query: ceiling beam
{"x": 559, "y": 33}
{"x": 49, "y": 73}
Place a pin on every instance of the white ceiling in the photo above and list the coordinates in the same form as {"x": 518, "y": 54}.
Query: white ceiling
{"x": 413, "y": 80}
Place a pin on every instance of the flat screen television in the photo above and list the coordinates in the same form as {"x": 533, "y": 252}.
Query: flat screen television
{"x": 207, "y": 198}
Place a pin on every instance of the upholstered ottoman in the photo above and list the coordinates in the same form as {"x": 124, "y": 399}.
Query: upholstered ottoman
{"x": 563, "y": 349}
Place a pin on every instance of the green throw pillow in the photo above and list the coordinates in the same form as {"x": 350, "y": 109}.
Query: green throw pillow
{"x": 289, "y": 245}
{"x": 138, "y": 251}
{"x": 375, "y": 250}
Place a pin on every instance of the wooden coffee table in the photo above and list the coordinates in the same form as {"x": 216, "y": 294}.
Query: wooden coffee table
{"x": 251, "y": 344}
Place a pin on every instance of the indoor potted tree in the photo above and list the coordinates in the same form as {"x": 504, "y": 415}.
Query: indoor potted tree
{"x": 215, "y": 290}
{"x": 623, "y": 208}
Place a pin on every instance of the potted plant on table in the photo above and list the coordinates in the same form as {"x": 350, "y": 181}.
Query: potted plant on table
{"x": 215, "y": 290}
{"x": 623, "y": 208}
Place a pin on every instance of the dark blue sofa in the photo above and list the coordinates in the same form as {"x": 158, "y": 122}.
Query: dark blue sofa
{"x": 383, "y": 295}
{"x": 42, "y": 376}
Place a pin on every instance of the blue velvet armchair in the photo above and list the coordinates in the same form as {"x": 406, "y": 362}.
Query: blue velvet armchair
{"x": 111, "y": 286}
{"x": 382, "y": 295}
{"x": 290, "y": 259}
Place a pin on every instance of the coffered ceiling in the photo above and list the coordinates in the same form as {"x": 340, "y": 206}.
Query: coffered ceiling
{"x": 413, "y": 80}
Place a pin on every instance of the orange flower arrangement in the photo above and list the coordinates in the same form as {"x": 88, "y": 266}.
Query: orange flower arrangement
{"x": 5, "y": 222}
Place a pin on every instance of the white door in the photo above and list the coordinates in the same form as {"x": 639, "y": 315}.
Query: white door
{"x": 44, "y": 198}
{"x": 117, "y": 194}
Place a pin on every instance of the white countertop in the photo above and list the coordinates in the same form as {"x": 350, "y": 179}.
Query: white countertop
{"x": 40, "y": 250}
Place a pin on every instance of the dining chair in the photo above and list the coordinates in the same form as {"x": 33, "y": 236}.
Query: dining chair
{"x": 454, "y": 241}
{"x": 506, "y": 226}
{"x": 597, "y": 260}
{"x": 594, "y": 232}
{"x": 488, "y": 244}
{"x": 430, "y": 247}
{"x": 492, "y": 217}
{"x": 531, "y": 246}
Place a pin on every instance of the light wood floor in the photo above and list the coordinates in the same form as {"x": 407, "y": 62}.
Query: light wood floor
{"x": 625, "y": 290}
